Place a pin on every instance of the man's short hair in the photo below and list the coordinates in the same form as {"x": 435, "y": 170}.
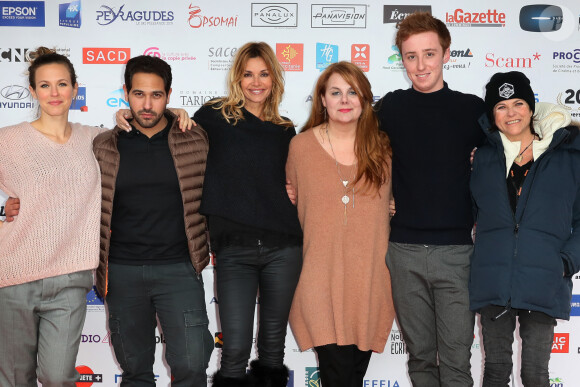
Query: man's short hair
{"x": 150, "y": 65}
{"x": 419, "y": 22}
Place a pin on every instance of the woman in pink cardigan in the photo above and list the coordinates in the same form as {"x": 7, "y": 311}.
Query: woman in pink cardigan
{"x": 49, "y": 251}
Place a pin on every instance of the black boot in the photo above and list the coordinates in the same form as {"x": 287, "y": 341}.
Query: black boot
{"x": 221, "y": 381}
{"x": 262, "y": 376}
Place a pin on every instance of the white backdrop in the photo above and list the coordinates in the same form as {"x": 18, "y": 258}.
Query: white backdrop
{"x": 199, "y": 38}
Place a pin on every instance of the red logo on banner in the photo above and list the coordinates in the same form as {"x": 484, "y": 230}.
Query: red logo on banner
{"x": 100, "y": 55}
{"x": 290, "y": 56}
{"x": 88, "y": 377}
{"x": 360, "y": 55}
{"x": 561, "y": 343}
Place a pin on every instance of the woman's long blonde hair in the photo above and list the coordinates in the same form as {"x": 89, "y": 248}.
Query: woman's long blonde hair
{"x": 372, "y": 147}
{"x": 231, "y": 105}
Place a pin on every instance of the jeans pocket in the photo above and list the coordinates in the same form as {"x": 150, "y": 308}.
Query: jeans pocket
{"x": 199, "y": 341}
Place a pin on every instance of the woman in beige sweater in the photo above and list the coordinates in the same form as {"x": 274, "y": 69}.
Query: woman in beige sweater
{"x": 339, "y": 169}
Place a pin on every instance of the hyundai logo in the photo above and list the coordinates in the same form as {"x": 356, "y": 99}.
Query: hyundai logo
{"x": 15, "y": 92}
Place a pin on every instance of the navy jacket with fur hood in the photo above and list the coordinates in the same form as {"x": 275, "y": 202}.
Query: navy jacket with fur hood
{"x": 527, "y": 259}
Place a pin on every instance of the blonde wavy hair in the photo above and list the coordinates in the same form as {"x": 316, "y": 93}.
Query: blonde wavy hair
{"x": 231, "y": 105}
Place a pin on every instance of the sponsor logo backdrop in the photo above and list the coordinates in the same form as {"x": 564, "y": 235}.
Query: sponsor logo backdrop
{"x": 199, "y": 39}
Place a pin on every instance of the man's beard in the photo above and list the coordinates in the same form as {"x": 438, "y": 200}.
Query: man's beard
{"x": 147, "y": 124}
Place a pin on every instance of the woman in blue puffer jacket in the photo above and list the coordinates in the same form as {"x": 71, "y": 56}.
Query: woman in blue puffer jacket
{"x": 526, "y": 191}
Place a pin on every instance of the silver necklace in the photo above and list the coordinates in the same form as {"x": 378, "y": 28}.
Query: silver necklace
{"x": 345, "y": 198}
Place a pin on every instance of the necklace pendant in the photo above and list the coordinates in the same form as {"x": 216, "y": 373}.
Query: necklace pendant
{"x": 345, "y": 183}
{"x": 519, "y": 159}
{"x": 345, "y": 199}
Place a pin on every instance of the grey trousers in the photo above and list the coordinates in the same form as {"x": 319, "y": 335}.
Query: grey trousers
{"x": 40, "y": 330}
{"x": 432, "y": 305}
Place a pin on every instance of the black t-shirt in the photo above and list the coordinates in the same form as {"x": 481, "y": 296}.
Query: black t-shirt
{"x": 147, "y": 225}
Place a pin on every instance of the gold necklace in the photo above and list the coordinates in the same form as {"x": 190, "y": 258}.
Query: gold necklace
{"x": 520, "y": 157}
{"x": 345, "y": 198}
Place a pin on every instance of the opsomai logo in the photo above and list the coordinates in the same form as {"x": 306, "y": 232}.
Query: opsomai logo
{"x": 196, "y": 20}
{"x": 102, "y": 55}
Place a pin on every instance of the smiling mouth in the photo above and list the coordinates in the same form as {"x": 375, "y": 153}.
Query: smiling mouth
{"x": 256, "y": 91}
{"x": 513, "y": 122}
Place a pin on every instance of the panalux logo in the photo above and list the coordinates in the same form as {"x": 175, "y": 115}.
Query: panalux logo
{"x": 396, "y": 13}
{"x": 15, "y": 92}
{"x": 274, "y": 14}
{"x": 339, "y": 16}
{"x": 541, "y": 18}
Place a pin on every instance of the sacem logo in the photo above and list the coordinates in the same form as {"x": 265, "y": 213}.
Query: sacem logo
{"x": 541, "y": 18}
{"x": 396, "y": 13}
{"x": 15, "y": 92}
{"x": 101, "y": 55}
{"x": 274, "y": 15}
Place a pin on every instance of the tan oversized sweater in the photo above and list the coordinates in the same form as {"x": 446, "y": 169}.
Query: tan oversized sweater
{"x": 59, "y": 186}
{"x": 344, "y": 292}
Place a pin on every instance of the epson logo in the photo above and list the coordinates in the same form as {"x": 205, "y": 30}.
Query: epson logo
{"x": 15, "y": 92}
{"x": 396, "y": 13}
{"x": 541, "y": 18}
{"x": 274, "y": 14}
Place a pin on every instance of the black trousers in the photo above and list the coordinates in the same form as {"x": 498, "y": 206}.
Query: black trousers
{"x": 174, "y": 294}
{"x": 342, "y": 365}
{"x": 240, "y": 272}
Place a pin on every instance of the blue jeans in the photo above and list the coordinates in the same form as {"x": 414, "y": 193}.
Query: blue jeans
{"x": 432, "y": 305}
{"x": 240, "y": 272}
{"x": 537, "y": 333}
{"x": 173, "y": 293}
